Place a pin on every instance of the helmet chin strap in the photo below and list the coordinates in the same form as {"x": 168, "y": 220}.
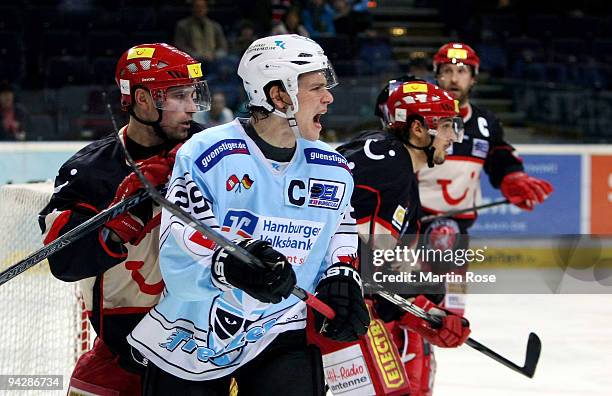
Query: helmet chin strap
{"x": 293, "y": 123}
{"x": 429, "y": 150}
{"x": 290, "y": 116}
{"x": 155, "y": 124}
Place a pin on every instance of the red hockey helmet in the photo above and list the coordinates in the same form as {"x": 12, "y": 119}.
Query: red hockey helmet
{"x": 159, "y": 67}
{"x": 420, "y": 100}
{"x": 457, "y": 54}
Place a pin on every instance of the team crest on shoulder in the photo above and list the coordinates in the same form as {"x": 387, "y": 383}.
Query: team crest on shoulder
{"x": 480, "y": 148}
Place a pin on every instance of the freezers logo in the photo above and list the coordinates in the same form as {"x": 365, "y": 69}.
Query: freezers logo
{"x": 293, "y": 238}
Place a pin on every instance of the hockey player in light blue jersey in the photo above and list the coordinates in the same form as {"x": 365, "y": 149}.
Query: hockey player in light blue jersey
{"x": 268, "y": 183}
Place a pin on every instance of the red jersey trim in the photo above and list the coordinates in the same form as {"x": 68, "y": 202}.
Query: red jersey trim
{"x": 465, "y": 158}
{"x": 374, "y": 218}
{"x": 87, "y": 206}
{"x": 155, "y": 222}
{"x": 107, "y": 249}
{"x": 126, "y": 310}
{"x": 59, "y": 223}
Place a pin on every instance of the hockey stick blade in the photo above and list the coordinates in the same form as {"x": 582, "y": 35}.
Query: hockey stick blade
{"x": 532, "y": 355}
{"x": 71, "y": 236}
{"x": 452, "y": 213}
{"x": 233, "y": 249}
{"x": 534, "y": 345}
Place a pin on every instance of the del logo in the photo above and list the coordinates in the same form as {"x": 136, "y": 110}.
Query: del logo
{"x": 321, "y": 193}
{"x": 216, "y": 152}
{"x": 240, "y": 222}
{"x": 233, "y": 182}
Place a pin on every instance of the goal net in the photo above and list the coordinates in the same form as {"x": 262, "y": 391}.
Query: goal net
{"x": 43, "y": 329}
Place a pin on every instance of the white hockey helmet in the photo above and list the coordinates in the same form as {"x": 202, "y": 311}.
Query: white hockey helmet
{"x": 282, "y": 58}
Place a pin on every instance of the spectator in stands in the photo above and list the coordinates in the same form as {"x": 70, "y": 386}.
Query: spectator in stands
{"x": 246, "y": 35}
{"x": 199, "y": 35}
{"x": 318, "y": 18}
{"x": 419, "y": 66}
{"x": 12, "y": 126}
{"x": 348, "y": 21}
{"x": 219, "y": 113}
{"x": 291, "y": 24}
{"x": 279, "y": 9}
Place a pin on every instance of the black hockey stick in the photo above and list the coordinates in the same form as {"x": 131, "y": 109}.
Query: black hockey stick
{"x": 71, "y": 236}
{"x": 452, "y": 213}
{"x": 534, "y": 345}
{"x": 235, "y": 250}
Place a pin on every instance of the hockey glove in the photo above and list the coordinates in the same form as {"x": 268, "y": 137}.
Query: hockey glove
{"x": 269, "y": 284}
{"x": 525, "y": 191}
{"x": 340, "y": 288}
{"x": 130, "y": 226}
{"x": 452, "y": 333}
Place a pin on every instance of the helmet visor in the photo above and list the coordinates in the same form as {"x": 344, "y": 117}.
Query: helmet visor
{"x": 189, "y": 98}
{"x": 446, "y": 127}
{"x": 331, "y": 80}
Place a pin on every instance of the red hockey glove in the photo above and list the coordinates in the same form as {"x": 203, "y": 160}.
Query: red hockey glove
{"x": 452, "y": 333}
{"x": 156, "y": 169}
{"x": 127, "y": 226}
{"x": 525, "y": 191}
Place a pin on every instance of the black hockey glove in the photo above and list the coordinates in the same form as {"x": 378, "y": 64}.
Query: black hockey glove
{"x": 269, "y": 284}
{"x": 340, "y": 288}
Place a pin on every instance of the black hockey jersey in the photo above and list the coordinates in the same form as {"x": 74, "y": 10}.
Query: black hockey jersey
{"x": 119, "y": 283}
{"x": 456, "y": 183}
{"x": 386, "y": 195}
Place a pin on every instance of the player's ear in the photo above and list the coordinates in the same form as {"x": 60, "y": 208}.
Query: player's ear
{"x": 474, "y": 77}
{"x": 142, "y": 98}
{"x": 280, "y": 99}
{"x": 416, "y": 129}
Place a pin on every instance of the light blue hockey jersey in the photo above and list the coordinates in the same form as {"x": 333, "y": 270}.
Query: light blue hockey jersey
{"x": 201, "y": 329}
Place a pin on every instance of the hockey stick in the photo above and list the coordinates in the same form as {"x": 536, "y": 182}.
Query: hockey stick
{"x": 452, "y": 213}
{"x": 233, "y": 249}
{"x": 71, "y": 236}
{"x": 534, "y": 345}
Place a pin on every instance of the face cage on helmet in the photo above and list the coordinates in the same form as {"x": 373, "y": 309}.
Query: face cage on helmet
{"x": 187, "y": 98}
{"x": 455, "y": 129}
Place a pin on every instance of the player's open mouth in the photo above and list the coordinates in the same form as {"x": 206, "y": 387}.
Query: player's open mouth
{"x": 317, "y": 119}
